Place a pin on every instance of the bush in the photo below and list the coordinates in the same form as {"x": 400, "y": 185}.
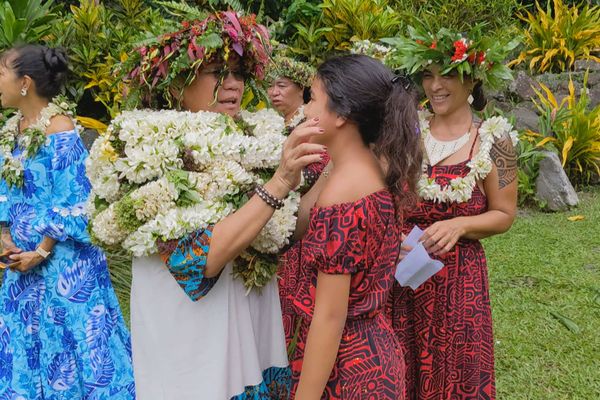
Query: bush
{"x": 560, "y": 35}
{"x": 98, "y": 37}
{"x": 25, "y": 21}
{"x": 571, "y": 130}
{"x": 458, "y": 15}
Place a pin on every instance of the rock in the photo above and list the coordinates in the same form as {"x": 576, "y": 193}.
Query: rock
{"x": 553, "y": 186}
{"x": 594, "y": 95}
{"x": 525, "y": 118}
{"x": 593, "y": 79}
{"x": 522, "y": 86}
{"x": 582, "y": 65}
{"x": 88, "y": 136}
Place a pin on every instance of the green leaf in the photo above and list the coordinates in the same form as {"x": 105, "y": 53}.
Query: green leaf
{"x": 567, "y": 322}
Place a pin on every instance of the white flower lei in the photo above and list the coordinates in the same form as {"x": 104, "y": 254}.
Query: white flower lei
{"x": 460, "y": 189}
{"x": 297, "y": 118}
{"x": 30, "y": 140}
{"x": 165, "y": 174}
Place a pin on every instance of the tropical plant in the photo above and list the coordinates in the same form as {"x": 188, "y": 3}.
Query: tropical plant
{"x": 98, "y": 37}
{"x": 352, "y": 20}
{"x": 571, "y": 129}
{"x": 457, "y": 15}
{"x": 560, "y": 35}
{"x": 25, "y": 21}
{"x": 528, "y": 161}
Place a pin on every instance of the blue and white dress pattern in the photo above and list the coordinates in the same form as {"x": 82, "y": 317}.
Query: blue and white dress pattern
{"x": 62, "y": 334}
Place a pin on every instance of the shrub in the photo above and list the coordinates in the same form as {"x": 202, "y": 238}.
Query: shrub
{"x": 98, "y": 37}
{"x": 352, "y": 20}
{"x": 457, "y": 15}
{"x": 560, "y": 35}
{"x": 25, "y": 21}
{"x": 571, "y": 130}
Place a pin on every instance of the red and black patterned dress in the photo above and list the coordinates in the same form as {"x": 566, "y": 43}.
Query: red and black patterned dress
{"x": 445, "y": 326}
{"x": 358, "y": 238}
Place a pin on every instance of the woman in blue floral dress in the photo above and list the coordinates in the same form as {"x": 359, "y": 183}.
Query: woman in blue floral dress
{"x": 62, "y": 334}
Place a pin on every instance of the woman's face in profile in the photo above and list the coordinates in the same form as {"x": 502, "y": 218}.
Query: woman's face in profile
{"x": 200, "y": 94}
{"x": 10, "y": 85}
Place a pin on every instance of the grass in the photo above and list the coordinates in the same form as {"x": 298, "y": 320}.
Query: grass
{"x": 545, "y": 289}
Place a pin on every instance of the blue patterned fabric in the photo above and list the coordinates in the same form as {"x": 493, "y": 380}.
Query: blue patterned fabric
{"x": 275, "y": 385}
{"x": 62, "y": 334}
{"x": 186, "y": 259}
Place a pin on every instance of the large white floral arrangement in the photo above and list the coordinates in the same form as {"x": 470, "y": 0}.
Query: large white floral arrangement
{"x": 460, "y": 189}
{"x": 159, "y": 175}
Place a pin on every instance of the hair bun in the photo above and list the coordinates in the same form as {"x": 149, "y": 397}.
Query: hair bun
{"x": 56, "y": 59}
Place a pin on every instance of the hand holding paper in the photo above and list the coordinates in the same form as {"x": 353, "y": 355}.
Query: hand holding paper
{"x": 417, "y": 266}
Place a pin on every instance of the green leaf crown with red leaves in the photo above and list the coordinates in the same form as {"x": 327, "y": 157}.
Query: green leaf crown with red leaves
{"x": 174, "y": 58}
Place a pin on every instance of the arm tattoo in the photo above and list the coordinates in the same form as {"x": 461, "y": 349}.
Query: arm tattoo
{"x": 505, "y": 159}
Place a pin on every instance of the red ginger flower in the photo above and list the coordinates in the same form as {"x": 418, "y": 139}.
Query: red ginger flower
{"x": 460, "y": 50}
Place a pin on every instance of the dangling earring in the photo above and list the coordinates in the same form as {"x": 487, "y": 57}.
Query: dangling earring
{"x": 470, "y": 99}
{"x": 23, "y": 92}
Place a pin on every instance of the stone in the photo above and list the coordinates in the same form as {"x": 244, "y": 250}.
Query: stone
{"x": 553, "y": 186}
{"x": 521, "y": 86}
{"x": 582, "y": 65}
{"x": 88, "y": 136}
{"x": 525, "y": 118}
{"x": 593, "y": 79}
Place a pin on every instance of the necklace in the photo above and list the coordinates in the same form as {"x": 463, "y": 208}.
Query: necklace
{"x": 460, "y": 189}
{"x": 29, "y": 141}
{"x": 438, "y": 150}
{"x": 297, "y": 118}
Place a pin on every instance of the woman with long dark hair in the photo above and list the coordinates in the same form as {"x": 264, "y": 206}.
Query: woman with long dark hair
{"x": 337, "y": 279}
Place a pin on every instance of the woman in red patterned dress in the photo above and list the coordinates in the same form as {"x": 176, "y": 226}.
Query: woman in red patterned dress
{"x": 468, "y": 191}
{"x": 337, "y": 279}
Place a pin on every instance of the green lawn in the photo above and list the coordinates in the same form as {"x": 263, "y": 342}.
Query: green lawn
{"x": 546, "y": 269}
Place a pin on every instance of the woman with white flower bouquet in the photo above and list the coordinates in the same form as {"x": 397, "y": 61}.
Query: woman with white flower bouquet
{"x": 62, "y": 334}
{"x": 203, "y": 200}
{"x": 468, "y": 191}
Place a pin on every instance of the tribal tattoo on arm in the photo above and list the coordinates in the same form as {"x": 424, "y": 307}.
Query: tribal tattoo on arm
{"x": 504, "y": 156}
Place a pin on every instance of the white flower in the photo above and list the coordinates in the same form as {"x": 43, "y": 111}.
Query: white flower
{"x": 460, "y": 189}
{"x": 148, "y": 167}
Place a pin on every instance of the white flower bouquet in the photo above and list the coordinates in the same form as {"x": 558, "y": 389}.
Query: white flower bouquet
{"x": 159, "y": 175}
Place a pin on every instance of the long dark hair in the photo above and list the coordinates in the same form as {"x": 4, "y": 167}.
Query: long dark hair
{"x": 384, "y": 107}
{"x": 47, "y": 67}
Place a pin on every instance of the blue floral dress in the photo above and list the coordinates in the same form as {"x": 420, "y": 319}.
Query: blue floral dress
{"x": 62, "y": 334}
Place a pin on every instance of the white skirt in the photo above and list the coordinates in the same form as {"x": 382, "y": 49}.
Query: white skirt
{"x": 205, "y": 350}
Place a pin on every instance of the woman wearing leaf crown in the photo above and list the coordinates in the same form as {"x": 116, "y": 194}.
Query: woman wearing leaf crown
{"x": 468, "y": 191}
{"x": 206, "y": 320}
{"x": 289, "y": 88}
{"x": 62, "y": 335}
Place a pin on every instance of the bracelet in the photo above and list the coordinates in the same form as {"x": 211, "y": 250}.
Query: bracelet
{"x": 268, "y": 197}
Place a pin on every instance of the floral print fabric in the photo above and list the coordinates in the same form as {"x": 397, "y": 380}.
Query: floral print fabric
{"x": 62, "y": 334}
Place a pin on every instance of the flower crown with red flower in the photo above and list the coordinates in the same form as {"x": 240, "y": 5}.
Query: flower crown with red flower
{"x": 175, "y": 58}
{"x": 472, "y": 54}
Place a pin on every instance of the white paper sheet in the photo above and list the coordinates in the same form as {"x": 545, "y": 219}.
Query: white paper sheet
{"x": 417, "y": 266}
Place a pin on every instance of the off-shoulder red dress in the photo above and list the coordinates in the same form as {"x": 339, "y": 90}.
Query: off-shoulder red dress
{"x": 361, "y": 239}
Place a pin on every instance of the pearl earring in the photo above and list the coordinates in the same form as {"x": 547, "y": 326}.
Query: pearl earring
{"x": 470, "y": 99}
{"x": 23, "y": 92}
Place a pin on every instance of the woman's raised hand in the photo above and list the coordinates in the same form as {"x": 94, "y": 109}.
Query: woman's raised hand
{"x": 297, "y": 153}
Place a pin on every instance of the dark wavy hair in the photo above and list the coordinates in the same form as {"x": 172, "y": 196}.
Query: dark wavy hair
{"x": 47, "y": 67}
{"x": 384, "y": 107}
